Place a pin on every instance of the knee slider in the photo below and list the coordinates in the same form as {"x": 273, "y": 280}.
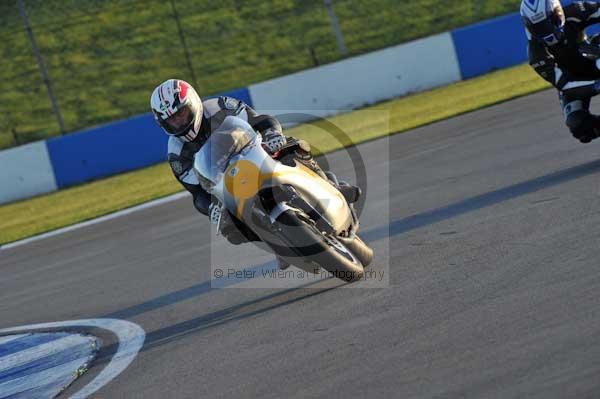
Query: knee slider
{"x": 580, "y": 123}
{"x": 201, "y": 203}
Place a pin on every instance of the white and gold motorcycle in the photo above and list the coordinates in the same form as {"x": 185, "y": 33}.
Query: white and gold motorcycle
{"x": 303, "y": 218}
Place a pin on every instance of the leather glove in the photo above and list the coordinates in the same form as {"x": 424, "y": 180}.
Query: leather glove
{"x": 273, "y": 140}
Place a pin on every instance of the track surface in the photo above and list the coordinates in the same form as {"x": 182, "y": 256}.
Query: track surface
{"x": 494, "y": 279}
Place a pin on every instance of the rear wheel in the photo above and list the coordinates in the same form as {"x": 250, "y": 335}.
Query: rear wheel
{"x": 308, "y": 244}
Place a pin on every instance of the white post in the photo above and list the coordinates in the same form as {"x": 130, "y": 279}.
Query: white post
{"x": 336, "y": 27}
{"x": 40, "y": 61}
{"x": 186, "y": 52}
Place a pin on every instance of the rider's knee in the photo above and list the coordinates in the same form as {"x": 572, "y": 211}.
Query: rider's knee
{"x": 304, "y": 146}
{"x": 303, "y": 149}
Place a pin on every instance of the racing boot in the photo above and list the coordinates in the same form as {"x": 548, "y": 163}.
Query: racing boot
{"x": 594, "y": 133}
{"x": 588, "y": 138}
{"x": 234, "y": 230}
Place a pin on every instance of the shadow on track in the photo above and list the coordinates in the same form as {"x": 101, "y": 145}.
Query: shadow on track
{"x": 480, "y": 201}
{"x": 289, "y": 296}
{"x": 233, "y": 313}
{"x": 192, "y": 292}
{"x": 161, "y": 301}
{"x": 394, "y": 228}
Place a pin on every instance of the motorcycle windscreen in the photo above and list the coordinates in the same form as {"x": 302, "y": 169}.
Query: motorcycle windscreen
{"x": 223, "y": 144}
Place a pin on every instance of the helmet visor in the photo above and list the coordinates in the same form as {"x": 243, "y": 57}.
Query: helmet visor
{"x": 180, "y": 122}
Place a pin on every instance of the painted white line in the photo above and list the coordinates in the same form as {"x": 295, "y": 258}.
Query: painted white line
{"x": 62, "y": 373}
{"x": 101, "y": 219}
{"x": 40, "y": 351}
{"x": 5, "y": 340}
{"x": 130, "y": 337}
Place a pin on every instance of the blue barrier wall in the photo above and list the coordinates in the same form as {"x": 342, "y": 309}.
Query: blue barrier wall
{"x": 113, "y": 148}
{"x": 490, "y": 45}
{"x": 107, "y": 150}
{"x": 138, "y": 142}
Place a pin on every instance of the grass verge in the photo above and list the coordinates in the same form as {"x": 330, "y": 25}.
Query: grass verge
{"x": 104, "y": 57}
{"x": 45, "y": 213}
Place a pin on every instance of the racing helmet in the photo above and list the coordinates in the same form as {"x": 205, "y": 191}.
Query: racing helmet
{"x": 177, "y": 108}
{"x": 544, "y": 20}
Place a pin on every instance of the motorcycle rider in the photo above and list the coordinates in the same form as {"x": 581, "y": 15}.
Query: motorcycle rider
{"x": 559, "y": 51}
{"x": 189, "y": 121}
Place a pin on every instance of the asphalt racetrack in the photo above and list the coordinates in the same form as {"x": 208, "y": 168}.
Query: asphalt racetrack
{"x": 488, "y": 231}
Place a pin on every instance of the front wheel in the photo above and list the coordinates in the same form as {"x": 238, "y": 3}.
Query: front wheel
{"x": 308, "y": 244}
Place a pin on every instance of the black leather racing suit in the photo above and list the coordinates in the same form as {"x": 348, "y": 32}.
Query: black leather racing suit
{"x": 181, "y": 155}
{"x": 574, "y": 75}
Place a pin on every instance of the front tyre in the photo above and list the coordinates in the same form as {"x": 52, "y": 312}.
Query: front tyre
{"x": 327, "y": 251}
